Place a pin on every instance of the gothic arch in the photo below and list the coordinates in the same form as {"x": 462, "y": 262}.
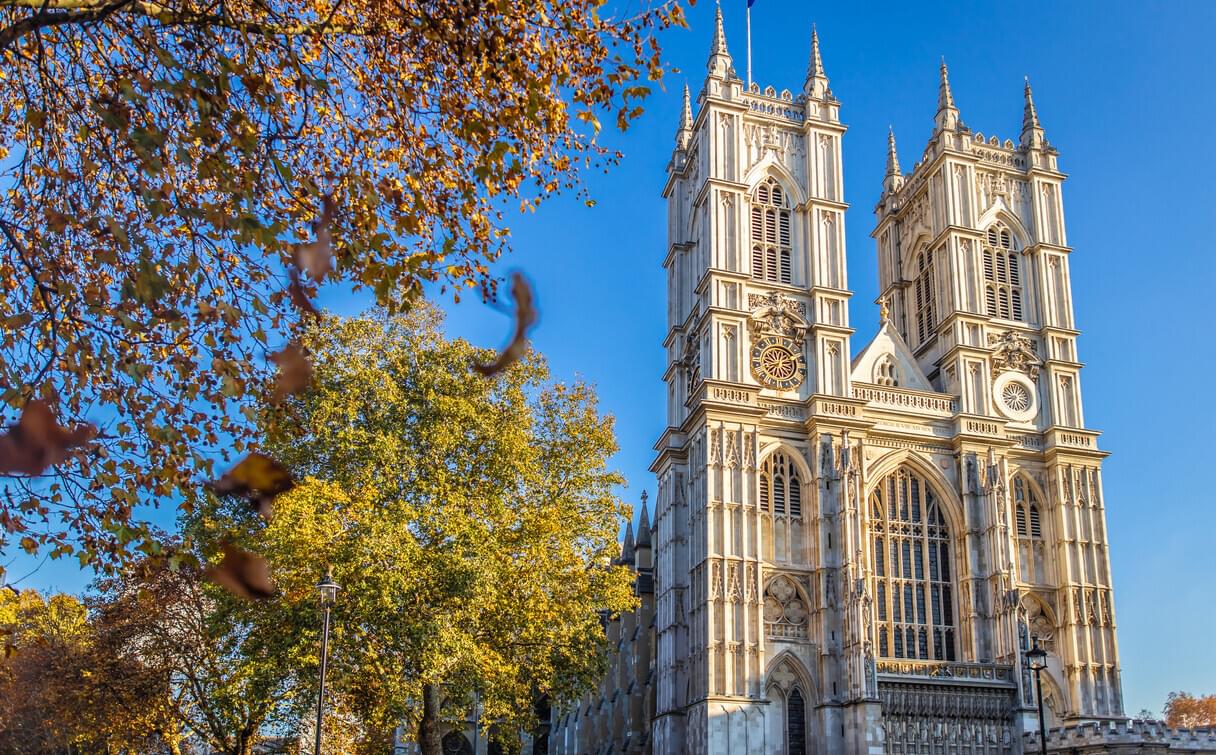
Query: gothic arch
{"x": 1037, "y": 495}
{"x": 768, "y": 167}
{"x": 920, "y": 244}
{"x": 1055, "y": 702}
{"x": 999, "y": 212}
{"x": 1045, "y": 628}
{"x": 802, "y": 675}
{"x": 787, "y": 680}
{"x": 952, "y": 505}
{"x": 799, "y": 461}
{"x": 784, "y": 506}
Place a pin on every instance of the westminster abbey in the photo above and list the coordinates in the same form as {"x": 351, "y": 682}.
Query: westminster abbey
{"x": 853, "y": 553}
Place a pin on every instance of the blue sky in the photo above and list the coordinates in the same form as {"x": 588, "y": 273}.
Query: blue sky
{"x": 1125, "y": 92}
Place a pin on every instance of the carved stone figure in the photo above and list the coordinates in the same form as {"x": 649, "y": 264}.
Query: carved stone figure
{"x": 1013, "y": 351}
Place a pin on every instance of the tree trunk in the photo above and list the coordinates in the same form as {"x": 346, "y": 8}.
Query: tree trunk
{"x": 430, "y": 739}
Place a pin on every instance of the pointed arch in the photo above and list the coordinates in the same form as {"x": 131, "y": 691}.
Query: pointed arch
{"x": 1055, "y": 702}
{"x": 1031, "y": 529}
{"x": 791, "y": 690}
{"x": 1000, "y": 212}
{"x": 945, "y": 492}
{"x": 773, "y": 446}
{"x": 802, "y": 675}
{"x": 770, "y": 167}
{"x": 920, "y": 243}
{"x": 771, "y": 231}
{"x": 914, "y": 554}
{"x": 784, "y": 500}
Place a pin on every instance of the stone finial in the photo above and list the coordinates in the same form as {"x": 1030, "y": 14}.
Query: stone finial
{"x": 644, "y": 525}
{"x": 684, "y": 134}
{"x": 947, "y": 112}
{"x": 816, "y": 78}
{"x": 720, "y": 63}
{"x": 1032, "y": 130}
{"x": 884, "y": 311}
{"x": 627, "y": 546}
{"x": 894, "y": 177}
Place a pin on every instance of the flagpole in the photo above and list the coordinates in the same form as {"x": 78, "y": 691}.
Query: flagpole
{"x": 749, "y": 45}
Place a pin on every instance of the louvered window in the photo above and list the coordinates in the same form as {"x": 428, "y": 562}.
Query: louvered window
{"x": 780, "y": 487}
{"x": 770, "y": 234}
{"x": 924, "y": 293}
{"x": 1002, "y": 276}
{"x": 1029, "y": 526}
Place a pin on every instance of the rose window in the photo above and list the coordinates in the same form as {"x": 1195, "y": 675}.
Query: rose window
{"x": 785, "y": 612}
{"x": 1016, "y": 397}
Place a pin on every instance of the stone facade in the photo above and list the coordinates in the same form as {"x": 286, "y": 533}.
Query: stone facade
{"x": 619, "y": 710}
{"x": 853, "y": 555}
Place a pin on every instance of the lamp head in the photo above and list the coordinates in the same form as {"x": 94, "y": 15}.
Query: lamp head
{"x": 328, "y": 589}
{"x": 1036, "y": 657}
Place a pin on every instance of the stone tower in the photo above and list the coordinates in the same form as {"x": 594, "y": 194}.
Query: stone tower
{"x": 973, "y": 260}
{"x": 756, "y": 552}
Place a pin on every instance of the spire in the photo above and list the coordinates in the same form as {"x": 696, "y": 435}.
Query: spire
{"x": 627, "y": 546}
{"x": 894, "y": 177}
{"x": 644, "y": 525}
{"x": 947, "y": 113}
{"x": 684, "y": 134}
{"x": 720, "y": 63}
{"x": 816, "y": 78}
{"x": 1032, "y": 130}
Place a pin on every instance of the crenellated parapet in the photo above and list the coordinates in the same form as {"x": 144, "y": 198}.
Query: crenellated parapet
{"x": 1124, "y": 736}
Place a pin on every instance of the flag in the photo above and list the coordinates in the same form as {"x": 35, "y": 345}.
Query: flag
{"x": 750, "y": 3}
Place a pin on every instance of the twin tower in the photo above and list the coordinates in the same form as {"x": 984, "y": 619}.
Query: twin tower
{"x": 852, "y": 554}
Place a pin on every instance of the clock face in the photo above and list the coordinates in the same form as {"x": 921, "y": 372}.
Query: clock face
{"x": 777, "y": 364}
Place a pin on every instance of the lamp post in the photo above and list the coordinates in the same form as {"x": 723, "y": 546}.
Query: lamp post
{"x": 1036, "y": 661}
{"x": 329, "y": 594}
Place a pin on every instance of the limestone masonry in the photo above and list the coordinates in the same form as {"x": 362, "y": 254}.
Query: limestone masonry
{"x": 853, "y": 555}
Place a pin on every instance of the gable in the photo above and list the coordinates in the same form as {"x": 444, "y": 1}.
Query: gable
{"x": 888, "y": 357}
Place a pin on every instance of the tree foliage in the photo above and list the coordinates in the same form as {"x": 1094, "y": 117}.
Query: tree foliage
{"x": 470, "y": 522}
{"x": 72, "y": 680}
{"x": 233, "y": 665}
{"x": 164, "y": 161}
{"x": 1185, "y": 710}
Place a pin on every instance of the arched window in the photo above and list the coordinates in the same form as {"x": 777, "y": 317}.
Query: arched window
{"x": 913, "y": 587}
{"x": 795, "y": 723}
{"x": 780, "y": 487}
{"x": 885, "y": 372}
{"x": 783, "y": 533}
{"x": 1029, "y": 527}
{"x": 771, "y": 253}
{"x": 924, "y": 292}
{"x": 455, "y": 743}
{"x": 1002, "y": 275}
{"x": 787, "y": 696}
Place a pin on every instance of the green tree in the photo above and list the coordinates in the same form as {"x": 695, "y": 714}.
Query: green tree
{"x": 470, "y": 522}
{"x": 163, "y": 162}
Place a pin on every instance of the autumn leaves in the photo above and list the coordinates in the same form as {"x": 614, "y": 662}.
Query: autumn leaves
{"x": 38, "y": 441}
{"x": 258, "y": 478}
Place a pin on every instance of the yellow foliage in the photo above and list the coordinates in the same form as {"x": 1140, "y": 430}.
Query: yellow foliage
{"x": 172, "y": 154}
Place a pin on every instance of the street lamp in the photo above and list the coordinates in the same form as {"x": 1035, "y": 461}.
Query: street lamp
{"x": 329, "y": 594}
{"x": 1036, "y": 661}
